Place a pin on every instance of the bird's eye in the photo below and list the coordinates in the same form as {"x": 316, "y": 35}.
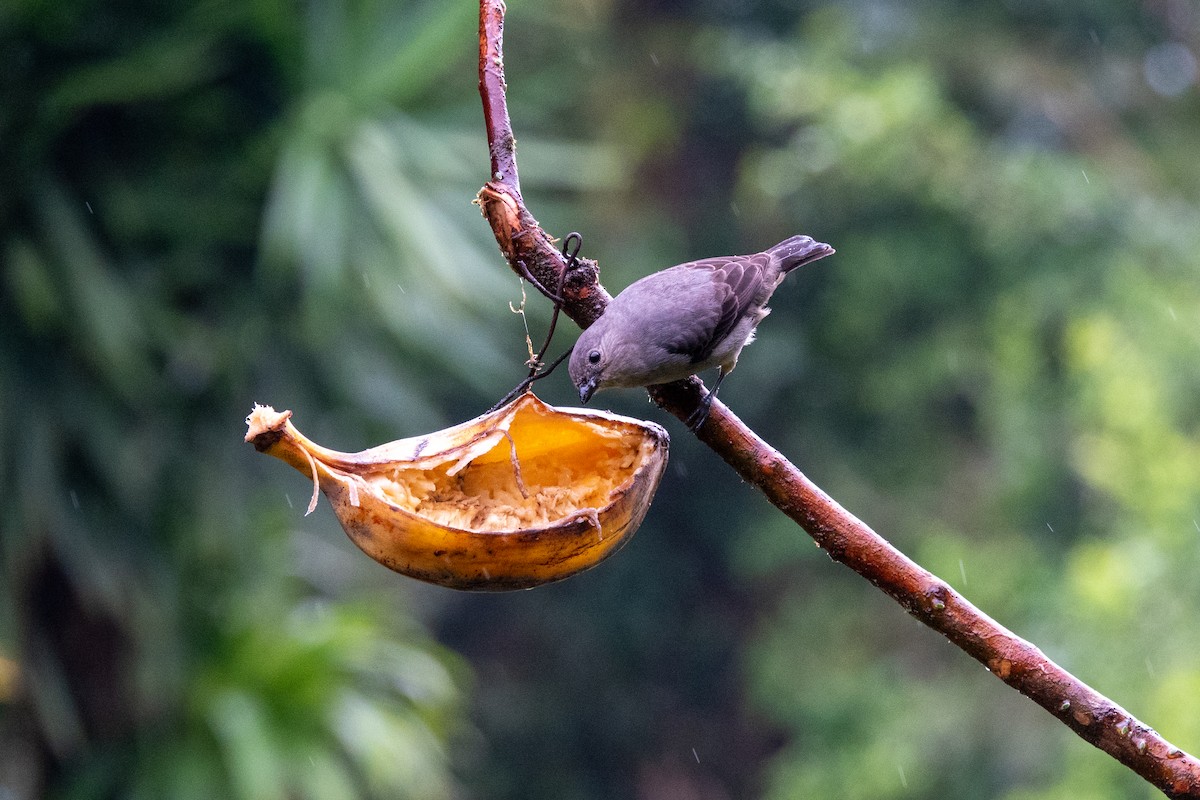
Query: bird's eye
{"x": 594, "y": 357}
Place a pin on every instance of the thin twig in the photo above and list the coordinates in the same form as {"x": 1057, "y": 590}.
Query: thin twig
{"x": 502, "y": 146}
{"x": 848, "y": 540}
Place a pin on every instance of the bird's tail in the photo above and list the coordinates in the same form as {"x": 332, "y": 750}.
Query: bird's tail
{"x": 798, "y": 251}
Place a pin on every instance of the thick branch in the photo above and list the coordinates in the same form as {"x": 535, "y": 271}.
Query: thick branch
{"x": 847, "y": 539}
{"x": 528, "y": 248}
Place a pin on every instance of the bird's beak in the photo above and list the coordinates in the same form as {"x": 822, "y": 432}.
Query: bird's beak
{"x": 587, "y": 389}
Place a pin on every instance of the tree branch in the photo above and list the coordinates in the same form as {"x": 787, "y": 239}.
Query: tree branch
{"x": 528, "y": 248}
{"x": 922, "y": 594}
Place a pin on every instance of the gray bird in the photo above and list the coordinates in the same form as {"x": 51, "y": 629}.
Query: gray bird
{"x": 684, "y": 320}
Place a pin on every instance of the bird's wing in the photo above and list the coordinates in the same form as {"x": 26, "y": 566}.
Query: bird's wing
{"x": 735, "y": 282}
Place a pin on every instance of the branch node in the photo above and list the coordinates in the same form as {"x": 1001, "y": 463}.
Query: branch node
{"x": 937, "y": 597}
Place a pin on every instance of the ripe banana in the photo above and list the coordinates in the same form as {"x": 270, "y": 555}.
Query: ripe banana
{"x": 521, "y": 496}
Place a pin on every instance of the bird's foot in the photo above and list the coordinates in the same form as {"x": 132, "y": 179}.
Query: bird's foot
{"x": 697, "y": 418}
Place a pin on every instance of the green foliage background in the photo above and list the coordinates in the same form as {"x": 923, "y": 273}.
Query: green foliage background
{"x": 203, "y": 205}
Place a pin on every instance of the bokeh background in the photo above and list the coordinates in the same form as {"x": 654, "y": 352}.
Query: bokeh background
{"x": 207, "y": 204}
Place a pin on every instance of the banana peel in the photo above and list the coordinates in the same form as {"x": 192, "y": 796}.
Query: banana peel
{"x": 523, "y": 495}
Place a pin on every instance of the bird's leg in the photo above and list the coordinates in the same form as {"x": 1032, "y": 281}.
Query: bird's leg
{"x": 698, "y": 417}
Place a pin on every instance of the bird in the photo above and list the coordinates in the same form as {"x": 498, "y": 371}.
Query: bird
{"x": 684, "y": 320}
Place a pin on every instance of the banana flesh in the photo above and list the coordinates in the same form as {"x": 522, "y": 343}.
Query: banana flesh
{"x": 525, "y": 495}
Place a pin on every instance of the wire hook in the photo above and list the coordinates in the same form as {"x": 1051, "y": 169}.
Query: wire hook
{"x": 572, "y": 244}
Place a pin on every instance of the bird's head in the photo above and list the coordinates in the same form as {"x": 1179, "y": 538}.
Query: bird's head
{"x": 590, "y": 362}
